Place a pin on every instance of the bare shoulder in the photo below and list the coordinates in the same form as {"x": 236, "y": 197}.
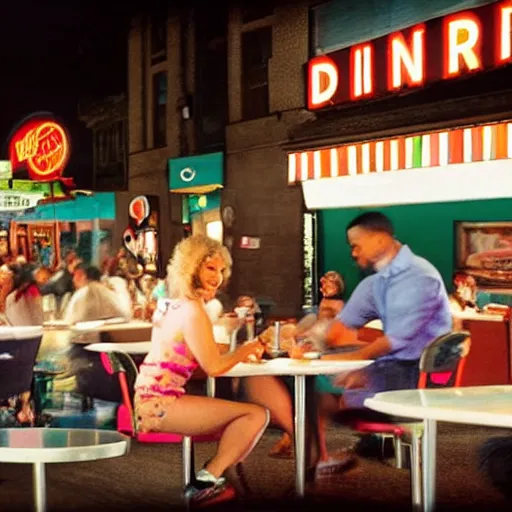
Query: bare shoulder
{"x": 192, "y": 309}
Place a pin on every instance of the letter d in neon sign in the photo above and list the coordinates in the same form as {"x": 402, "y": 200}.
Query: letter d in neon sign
{"x": 322, "y": 81}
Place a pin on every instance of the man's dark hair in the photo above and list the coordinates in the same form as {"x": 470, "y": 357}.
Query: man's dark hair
{"x": 93, "y": 273}
{"x": 373, "y": 221}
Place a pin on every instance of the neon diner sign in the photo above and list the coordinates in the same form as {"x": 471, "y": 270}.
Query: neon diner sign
{"x": 439, "y": 49}
{"x": 41, "y": 146}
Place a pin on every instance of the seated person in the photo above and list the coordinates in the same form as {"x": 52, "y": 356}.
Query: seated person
{"x": 23, "y": 304}
{"x": 463, "y": 297}
{"x": 407, "y": 293}
{"x": 307, "y": 335}
{"x": 93, "y": 300}
{"x": 182, "y": 340}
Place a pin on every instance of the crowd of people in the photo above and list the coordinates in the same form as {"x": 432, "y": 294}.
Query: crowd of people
{"x": 75, "y": 291}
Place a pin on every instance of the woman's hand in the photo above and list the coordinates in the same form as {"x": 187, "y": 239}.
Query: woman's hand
{"x": 251, "y": 350}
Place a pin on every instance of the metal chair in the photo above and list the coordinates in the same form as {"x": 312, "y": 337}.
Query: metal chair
{"x": 441, "y": 365}
{"x": 18, "y": 350}
{"x": 122, "y": 365}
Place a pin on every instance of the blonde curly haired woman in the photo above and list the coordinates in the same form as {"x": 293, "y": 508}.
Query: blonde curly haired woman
{"x": 182, "y": 340}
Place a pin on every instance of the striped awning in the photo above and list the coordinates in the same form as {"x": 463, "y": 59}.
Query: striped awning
{"x": 416, "y": 151}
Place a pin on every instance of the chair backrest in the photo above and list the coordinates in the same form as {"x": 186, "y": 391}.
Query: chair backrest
{"x": 18, "y": 350}
{"x": 122, "y": 365}
{"x": 442, "y": 362}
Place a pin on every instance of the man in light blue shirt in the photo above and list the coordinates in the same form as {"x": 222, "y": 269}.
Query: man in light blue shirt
{"x": 406, "y": 293}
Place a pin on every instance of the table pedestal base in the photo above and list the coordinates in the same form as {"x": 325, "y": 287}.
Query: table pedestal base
{"x": 300, "y": 434}
{"x": 39, "y": 483}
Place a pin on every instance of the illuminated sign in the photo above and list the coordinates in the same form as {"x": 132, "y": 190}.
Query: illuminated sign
{"x": 16, "y": 201}
{"x": 41, "y": 146}
{"x": 5, "y": 170}
{"x": 443, "y": 48}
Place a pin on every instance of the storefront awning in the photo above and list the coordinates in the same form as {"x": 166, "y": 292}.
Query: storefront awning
{"x": 100, "y": 205}
{"x": 198, "y": 174}
{"x": 458, "y": 164}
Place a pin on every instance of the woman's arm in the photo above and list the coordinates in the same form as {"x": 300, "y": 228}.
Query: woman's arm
{"x": 198, "y": 334}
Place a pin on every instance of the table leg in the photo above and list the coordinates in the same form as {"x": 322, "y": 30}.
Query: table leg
{"x": 39, "y": 483}
{"x": 210, "y": 387}
{"x": 416, "y": 472}
{"x": 300, "y": 434}
{"x": 429, "y": 450}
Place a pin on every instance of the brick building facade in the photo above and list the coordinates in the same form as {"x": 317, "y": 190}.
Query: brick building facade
{"x": 255, "y": 127}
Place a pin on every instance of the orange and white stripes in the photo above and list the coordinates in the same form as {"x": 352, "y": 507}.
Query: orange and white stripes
{"x": 457, "y": 146}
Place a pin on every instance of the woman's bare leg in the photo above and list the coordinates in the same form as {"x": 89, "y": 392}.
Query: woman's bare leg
{"x": 322, "y": 441}
{"x": 241, "y": 424}
{"x": 271, "y": 393}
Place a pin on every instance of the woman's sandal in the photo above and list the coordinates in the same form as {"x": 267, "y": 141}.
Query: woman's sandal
{"x": 283, "y": 449}
{"x": 335, "y": 465}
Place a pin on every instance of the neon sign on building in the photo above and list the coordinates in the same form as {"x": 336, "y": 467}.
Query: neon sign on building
{"x": 443, "y": 48}
{"x": 41, "y": 146}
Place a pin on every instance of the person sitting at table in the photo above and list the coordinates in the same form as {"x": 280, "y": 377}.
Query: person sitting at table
{"x": 182, "y": 339}
{"x": 275, "y": 393}
{"x": 23, "y": 304}
{"x": 60, "y": 284}
{"x": 407, "y": 293}
{"x": 463, "y": 298}
{"x": 92, "y": 300}
{"x": 115, "y": 279}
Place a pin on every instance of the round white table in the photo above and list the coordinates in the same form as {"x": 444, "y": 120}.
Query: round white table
{"x": 110, "y": 325}
{"x": 133, "y": 347}
{"x": 39, "y": 446}
{"x": 299, "y": 370}
{"x": 474, "y": 405}
{"x": 8, "y": 332}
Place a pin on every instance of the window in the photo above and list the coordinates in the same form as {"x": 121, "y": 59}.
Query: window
{"x": 256, "y": 12}
{"x": 339, "y": 24}
{"x": 256, "y": 52}
{"x": 211, "y": 99}
{"x": 158, "y": 32}
{"x": 110, "y": 156}
{"x": 159, "y": 109}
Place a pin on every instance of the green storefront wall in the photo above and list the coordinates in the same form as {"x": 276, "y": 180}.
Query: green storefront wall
{"x": 429, "y": 229}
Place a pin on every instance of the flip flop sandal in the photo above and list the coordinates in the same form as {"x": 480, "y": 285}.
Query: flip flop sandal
{"x": 335, "y": 466}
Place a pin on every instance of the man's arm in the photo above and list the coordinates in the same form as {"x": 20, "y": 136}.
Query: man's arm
{"x": 410, "y": 313}
{"x": 371, "y": 350}
{"x": 356, "y": 313}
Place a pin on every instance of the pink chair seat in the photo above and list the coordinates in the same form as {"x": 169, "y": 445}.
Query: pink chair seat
{"x": 369, "y": 427}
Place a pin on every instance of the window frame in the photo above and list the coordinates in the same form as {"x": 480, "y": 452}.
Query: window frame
{"x": 159, "y": 138}
{"x": 248, "y": 68}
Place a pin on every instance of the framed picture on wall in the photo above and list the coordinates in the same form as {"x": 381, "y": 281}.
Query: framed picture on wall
{"x": 484, "y": 250}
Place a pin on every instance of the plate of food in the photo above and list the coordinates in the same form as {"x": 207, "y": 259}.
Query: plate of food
{"x": 312, "y": 355}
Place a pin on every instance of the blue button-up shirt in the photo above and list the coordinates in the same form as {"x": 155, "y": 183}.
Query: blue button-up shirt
{"x": 409, "y": 297}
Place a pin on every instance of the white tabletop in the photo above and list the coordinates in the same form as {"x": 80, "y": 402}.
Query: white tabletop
{"x": 473, "y": 315}
{"x": 110, "y": 325}
{"x": 30, "y": 445}
{"x": 20, "y": 333}
{"x": 476, "y": 405}
{"x": 134, "y": 347}
{"x": 286, "y": 366}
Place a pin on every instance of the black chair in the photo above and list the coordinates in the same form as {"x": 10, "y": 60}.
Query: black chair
{"x": 18, "y": 350}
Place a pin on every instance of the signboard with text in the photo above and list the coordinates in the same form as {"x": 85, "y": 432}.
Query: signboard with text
{"x": 39, "y": 146}
{"x": 443, "y": 48}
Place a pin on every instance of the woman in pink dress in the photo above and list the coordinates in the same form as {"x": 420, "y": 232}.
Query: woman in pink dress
{"x": 182, "y": 340}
